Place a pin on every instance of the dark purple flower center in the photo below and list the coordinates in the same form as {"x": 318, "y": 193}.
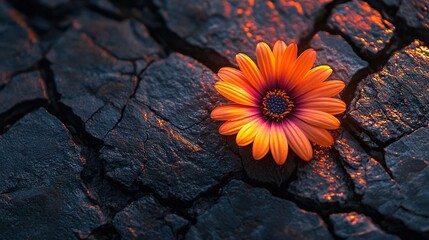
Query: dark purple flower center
{"x": 276, "y": 105}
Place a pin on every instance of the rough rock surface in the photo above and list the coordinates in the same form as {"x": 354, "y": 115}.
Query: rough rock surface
{"x": 415, "y": 14}
{"x": 41, "y": 193}
{"x": 352, "y": 20}
{"x": 321, "y": 180}
{"x": 22, "y": 87}
{"x": 371, "y": 182}
{"x": 408, "y": 161}
{"x": 357, "y": 226}
{"x": 334, "y": 51}
{"x": 19, "y": 49}
{"x": 99, "y": 85}
{"x": 253, "y": 213}
{"x": 147, "y": 219}
{"x": 232, "y": 26}
{"x": 176, "y": 160}
{"x": 128, "y": 149}
{"x": 395, "y": 100}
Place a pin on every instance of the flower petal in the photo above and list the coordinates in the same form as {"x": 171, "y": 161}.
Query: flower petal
{"x": 325, "y": 104}
{"x": 236, "y": 93}
{"x": 326, "y": 89}
{"x": 317, "y": 135}
{"x": 288, "y": 61}
{"x": 266, "y": 63}
{"x": 231, "y": 112}
{"x": 318, "y": 118}
{"x": 232, "y": 127}
{"x": 298, "y": 141}
{"x": 247, "y": 133}
{"x": 250, "y": 71}
{"x": 303, "y": 64}
{"x": 278, "y": 144}
{"x": 237, "y": 78}
{"x": 313, "y": 78}
{"x": 278, "y": 51}
{"x": 261, "y": 144}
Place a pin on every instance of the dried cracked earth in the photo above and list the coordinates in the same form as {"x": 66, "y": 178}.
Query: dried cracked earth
{"x": 105, "y": 130}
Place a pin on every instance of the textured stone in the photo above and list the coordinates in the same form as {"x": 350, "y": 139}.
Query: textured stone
{"x": 106, "y": 6}
{"x": 41, "y": 195}
{"x": 408, "y": 160}
{"x": 363, "y": 25}
{"x": 98, "y": 85}
{"x": 147, "y": 219}
{"x": 182, "y": 99}
{"x": 394, "y": 101}
{"x": 53, "y": 3}
{"x": 232, "y": 26}
{"x": 266, "y": 171}
{"x": 245, "y": 212}
{"x": 23, "y": 87}
{"x": 415, "y": 14}
{"x": 354, "y": 226}
{"x": 19, "y": 48}
{"x": 388, "y": 3}
{"x": 334, "y": 51}
{"x": 321, "y": 180}
{"x": 370, "y": 180}
{"x": 148, "y": 147}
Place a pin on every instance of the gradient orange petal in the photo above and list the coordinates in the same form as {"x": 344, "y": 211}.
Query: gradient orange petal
{"x": 318, "y": 119}
{"x": 288, "y": 62}
{"x": 247, "y": 133}
{"x": 236, "y": 94}
{"x": 261, "y": 144}
{"x": 317, "y": 135}
{"x": 313, "y": 78}
{"x": 232, "y": 112}
{"x": 325, "y": 104}
{"x": 303, "y": 64}
{"x": 232, "y": 127}
{"x": 236, "y": 77}
{"x": 278, "y": 51}
{"x": 266, "y": 62}
{"x": 298, "y": 141}
{"x": 326, "y": 89}
{"x": 250, "y": 71}
{"x": 278, "y": 144}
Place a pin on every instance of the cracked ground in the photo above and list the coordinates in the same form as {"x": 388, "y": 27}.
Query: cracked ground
{"x": 105, "y": 130}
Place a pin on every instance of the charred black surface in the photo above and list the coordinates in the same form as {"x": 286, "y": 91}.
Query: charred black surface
{"x": 105, "y": 130}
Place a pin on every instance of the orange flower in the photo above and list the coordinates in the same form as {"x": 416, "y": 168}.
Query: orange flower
{"x": 279, "y": 103}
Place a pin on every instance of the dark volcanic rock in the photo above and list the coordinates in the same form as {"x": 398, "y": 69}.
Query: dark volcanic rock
{"x": 415, "y": 14}
{"x": 363, "y": 25}
{"x": 321, "y": 180}
{"x": 41, "y": 195}
{"x": 408, "y": 160}
{"x": 147, "y": 219}
{"x": 406, "y": 197}
{"x": 23, "y": 87}
{"x": 388, "y": 3}
{"x": 354, "y": 226}
{"x": 147, "y": 145}
{"x": 182, "y": 99}
{"x": 370, "y": 180}
{"x": 245, "y": 212}
{"x": 52, "y": 3}
{"x": 233, "y": 26}
{"x": 19, "y": 48}
{"x": 334, "y": 51}
{"x": 89, "y": 73}
{"x": 394, "y": 101}
{"x": 266, "y": 171}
